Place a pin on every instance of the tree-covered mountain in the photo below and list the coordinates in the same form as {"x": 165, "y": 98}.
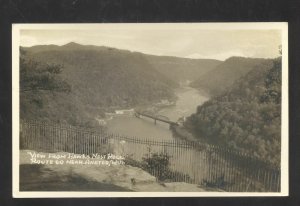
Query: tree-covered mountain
{"x": 109, "y": 77}
{"x": 174, "y": 68}
{"x": 225, "y": 74}
{"x": 45, "y": 95}
{"x": 182, "y": 69}
{"x": 247, "y": 116}
{"x": 100, "y": 78}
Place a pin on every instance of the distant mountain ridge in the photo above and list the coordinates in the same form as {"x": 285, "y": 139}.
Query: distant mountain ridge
{"x": 68, "y": 46}
{"x": 223, "y": 76}
{"x": 176, "y": 69}
{"x": 112, "y": 73}
{"x": 182, "y": 69}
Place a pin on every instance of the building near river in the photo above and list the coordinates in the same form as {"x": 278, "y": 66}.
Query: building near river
{"x": 125, "y": 112}
{"x": 128, "y": 112}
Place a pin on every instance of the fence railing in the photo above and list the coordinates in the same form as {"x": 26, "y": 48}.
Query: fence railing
{"x": 177, "y": 160}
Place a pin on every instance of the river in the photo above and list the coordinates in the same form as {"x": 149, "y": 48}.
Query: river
{"x": 183, "y": 160}
{"x": 186, "y": 104}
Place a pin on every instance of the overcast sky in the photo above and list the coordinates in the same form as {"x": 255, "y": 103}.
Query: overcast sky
{"x": 213, "y": 44}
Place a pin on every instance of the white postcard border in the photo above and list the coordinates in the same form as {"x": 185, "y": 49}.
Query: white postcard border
{"x": 282, "y": 26}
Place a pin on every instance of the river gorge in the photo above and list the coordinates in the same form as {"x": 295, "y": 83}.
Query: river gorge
{"x": 187, "y": 101}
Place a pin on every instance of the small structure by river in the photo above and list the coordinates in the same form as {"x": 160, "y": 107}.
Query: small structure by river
{"x": 120, "y": 112}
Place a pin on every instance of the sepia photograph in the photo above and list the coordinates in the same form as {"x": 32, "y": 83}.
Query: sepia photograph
{"x": 150, "y": 109}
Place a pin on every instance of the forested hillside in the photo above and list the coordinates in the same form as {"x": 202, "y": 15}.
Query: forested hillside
{"x": 45, "y": 95}
{"x": 225, "y": 74}
{"x": 174, "y": 68}
{"x": 247, "y": 116}
{"x": 182, "y": 69}
{"x": 100, "y": 79}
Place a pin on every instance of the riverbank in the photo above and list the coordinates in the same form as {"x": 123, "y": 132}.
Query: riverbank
{"x": 182, "y": 133}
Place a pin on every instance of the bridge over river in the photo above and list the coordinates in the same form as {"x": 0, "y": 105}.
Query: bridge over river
{"x": 156, "y": 118}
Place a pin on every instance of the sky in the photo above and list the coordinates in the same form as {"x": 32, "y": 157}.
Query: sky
{"x": 173, "y": 41}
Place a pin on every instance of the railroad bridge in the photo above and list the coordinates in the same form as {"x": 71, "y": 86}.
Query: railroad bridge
{"x": 156, "y": 118}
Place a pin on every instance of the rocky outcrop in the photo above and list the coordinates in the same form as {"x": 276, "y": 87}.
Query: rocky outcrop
{"x": 124, "y": 176}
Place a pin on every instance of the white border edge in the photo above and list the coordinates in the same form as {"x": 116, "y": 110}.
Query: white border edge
{"x": 283, "y": 26}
